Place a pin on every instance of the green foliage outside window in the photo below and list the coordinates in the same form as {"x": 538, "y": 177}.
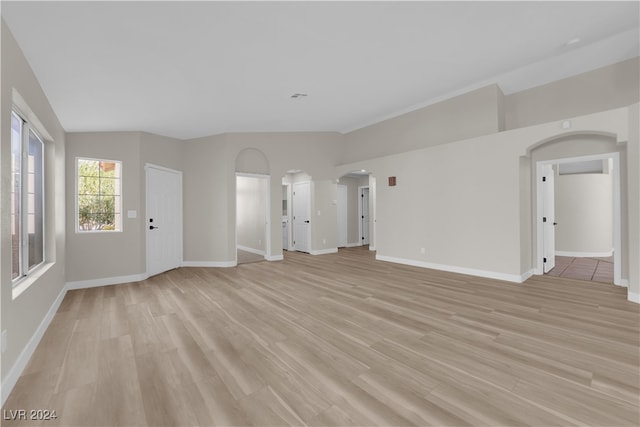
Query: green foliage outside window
{"x": 98, "y": 195}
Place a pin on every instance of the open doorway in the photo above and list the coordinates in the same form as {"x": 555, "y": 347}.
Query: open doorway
{"x": 356, "y": 209}
{"x": 297, "y": 222}
{"x": 578, "y": 221}
{"x": 252, "y": 212}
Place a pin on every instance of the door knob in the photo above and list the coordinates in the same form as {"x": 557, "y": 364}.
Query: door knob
{"x": 151, "y": 227}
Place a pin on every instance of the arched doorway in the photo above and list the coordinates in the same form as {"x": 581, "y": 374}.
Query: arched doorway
{"x": 548, "y": 159}
{"x": 253, "y": 233}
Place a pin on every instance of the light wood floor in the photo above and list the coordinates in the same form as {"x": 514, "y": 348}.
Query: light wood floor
{"x": 245, "y": 257}
{"x": 337, "y": 340}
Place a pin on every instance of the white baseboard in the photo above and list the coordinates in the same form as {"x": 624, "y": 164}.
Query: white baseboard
{"x": 83, "y": 284}
{"x": 251, "y": 250}
{"x": 324, "y": 251}
{"x": 18, "y": 367}
{"x": 585, "y": 254}
{"x": 372, "y": 248}
{"x": 526, "y": 275}
{"x": 517, "y": 278}
{"x": 209, "y": 263}
{"x": 274, "y": 257}
{"x": 633, "y": 297}
{"x": 353, "y": 245}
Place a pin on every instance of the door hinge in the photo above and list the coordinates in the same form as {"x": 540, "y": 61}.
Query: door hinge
{"x": 544, "y": 260}
{"x": 544, "y": 219}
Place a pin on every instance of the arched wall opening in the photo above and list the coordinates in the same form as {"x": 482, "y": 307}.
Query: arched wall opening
{"x": 252, "y": 206}
{"x": 566, "y": 150}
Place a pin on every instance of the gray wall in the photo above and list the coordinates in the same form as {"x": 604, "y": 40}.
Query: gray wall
{"x": 92, "y": 256}
{"x": 21, "y": 316}
{"x": 469, "y": 203}
{"x": 584, "y": 213}
{"x": 465, "y": 116}
{"x": 603, "y": 89}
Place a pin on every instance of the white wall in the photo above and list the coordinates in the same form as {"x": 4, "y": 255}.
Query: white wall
{"x": 25, "y": 317}
{"x": 584, "y": 213}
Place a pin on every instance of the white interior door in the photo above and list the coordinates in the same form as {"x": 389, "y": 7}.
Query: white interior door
{"x": 364, "y": 215}
{"x": 548, "y": 218}
{"x": 342, "y": 215}
{"x": 302, "y": 216}
{"x": 164, "y": 219}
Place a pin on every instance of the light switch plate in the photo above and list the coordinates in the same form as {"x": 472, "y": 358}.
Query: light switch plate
{"x": 132, "y": 214}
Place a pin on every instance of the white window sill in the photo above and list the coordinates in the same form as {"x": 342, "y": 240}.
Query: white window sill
{"x": 29, "y": 280}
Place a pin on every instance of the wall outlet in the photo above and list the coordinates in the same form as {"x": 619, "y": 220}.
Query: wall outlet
{"x": 259, "y": 242}
{"x": 5, "y": 342}
{"x": 324, "y": 241}
{"x": 423, "y": 251}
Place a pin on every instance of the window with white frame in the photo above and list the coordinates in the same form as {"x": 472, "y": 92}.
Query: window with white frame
{"x": 98, "y": 196}
{"x": 27, "y": 198}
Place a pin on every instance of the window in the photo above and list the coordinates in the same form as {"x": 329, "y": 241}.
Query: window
{"x": 27, "y": 198}
{"x": 99, "y": 201}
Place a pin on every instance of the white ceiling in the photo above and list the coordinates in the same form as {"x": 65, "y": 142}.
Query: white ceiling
{"x": 191, "y": 69}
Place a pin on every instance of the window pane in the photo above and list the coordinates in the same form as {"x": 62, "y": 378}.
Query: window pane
{"x": 88, "y": 185}
{"x": 88, "y": 167}
{"x": 99, "y": 205}
{"x": 35, "y": 207}
{"x": 16, "y": 199}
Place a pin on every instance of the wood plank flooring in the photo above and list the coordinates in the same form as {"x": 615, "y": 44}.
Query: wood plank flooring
{"x": 337, "y": 340}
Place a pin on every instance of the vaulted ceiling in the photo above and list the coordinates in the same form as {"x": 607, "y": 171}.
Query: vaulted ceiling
{"x": 190, "y": 69}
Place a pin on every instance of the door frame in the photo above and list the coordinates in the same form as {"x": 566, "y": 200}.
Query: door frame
{"x": 267, "y": 213}
{"x": 360, "y": 231}
{"x": 345, "y": 189}
{"x": 148, "y": 166}
{"x": 292, "y": 228}
{"x": 617, "y": 220}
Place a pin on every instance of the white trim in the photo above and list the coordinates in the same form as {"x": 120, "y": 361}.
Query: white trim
{"x": 209, "y": 263}
{"x": 633, "y": 297}
{"x": 360, "y": 196}
{"x": 623, "y": 282}
{"x": 106, "y": 281}
{"x": 323, "y": 251}
{"x": 526, "y": 275}
{"x": 455, "y": 269}
{"x": 75, "y": 196}
{"x": 161, "y": 168}
{"x": 21, "y": 362}
{"x": 585, "y": 254}
{"x": 372, "y": 248}
{"x": 353, "y": 245}
{"x": 274, "y": 257}
{"x": 251, "y": 250}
